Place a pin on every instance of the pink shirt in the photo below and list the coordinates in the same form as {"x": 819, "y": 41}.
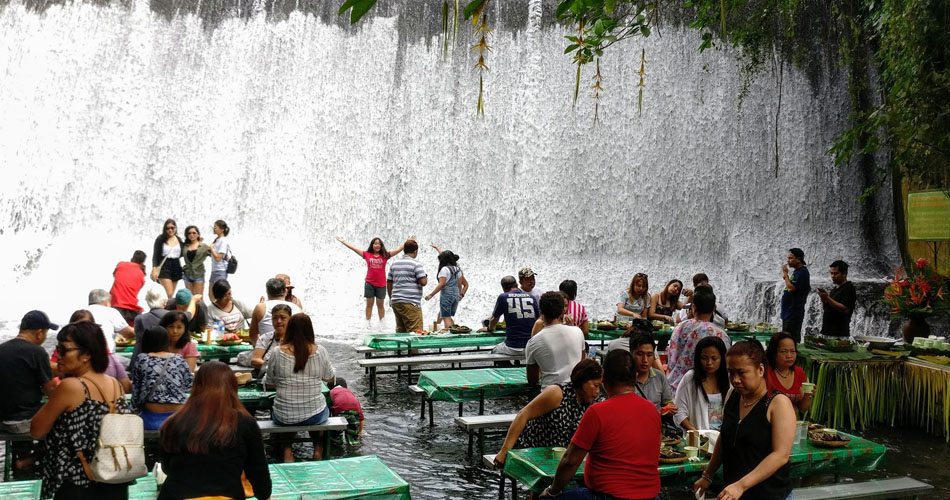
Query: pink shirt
{"x": 190, "y": 350}
{"x": 375, "y": 269}
{"x": 577, "y": 312}
{"x": 343, "y": 399}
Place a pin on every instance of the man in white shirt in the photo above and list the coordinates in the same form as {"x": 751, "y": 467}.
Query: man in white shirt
{"x": 111, "y": 321}
{"x": 553, "y": 352}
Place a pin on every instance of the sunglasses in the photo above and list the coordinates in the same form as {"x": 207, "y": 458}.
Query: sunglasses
{"x": 192, "y": 232}
{"x": 169, "y": 227}
{"x": 62, "y": 350}
{"x": 640, "y": 275}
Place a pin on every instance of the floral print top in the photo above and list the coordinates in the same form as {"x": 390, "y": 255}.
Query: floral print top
{"x": 683, "y": 342}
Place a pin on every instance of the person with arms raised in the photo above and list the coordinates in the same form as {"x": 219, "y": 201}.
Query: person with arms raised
{"x": 374, "y": 286}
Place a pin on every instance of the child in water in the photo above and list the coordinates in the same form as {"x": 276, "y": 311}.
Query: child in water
{"x": 346, "y": 405}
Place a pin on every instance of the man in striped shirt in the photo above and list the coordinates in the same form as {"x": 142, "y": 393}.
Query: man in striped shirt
{"x": 404, "y": 285}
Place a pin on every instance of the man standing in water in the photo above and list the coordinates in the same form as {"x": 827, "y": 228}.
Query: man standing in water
{"x": 404, "y": 287}
{"x": 838, "y": 305}
{"x": 797, "y": 286}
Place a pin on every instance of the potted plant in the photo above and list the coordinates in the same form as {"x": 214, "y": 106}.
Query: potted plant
{"x": 916, "y": 296}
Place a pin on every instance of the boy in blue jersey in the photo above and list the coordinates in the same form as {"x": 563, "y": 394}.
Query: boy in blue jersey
{"x": 520, "y": 311}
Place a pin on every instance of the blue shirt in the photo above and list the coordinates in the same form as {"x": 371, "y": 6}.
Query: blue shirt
{"x": 520, "y": 311}
{"x": 793, "y": 303}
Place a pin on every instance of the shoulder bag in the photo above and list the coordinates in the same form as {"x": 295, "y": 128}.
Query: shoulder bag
{"x": 120, "y": 451}
{"x": 232, "y": 262}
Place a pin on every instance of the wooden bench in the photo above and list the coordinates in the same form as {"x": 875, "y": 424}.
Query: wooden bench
{"x": 489, "y": 462}
{"x": 876, "y": 489}
{"x": 432, "y": 359}
{"x": 478, "y": 424}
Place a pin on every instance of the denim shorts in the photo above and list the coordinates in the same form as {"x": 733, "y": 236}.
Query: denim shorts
{"x": 448, "y": 305}
{"x": 370, "y": 291}
{"x": 200, "y": 279}
{"x": 317, "y": 419}
{"x": 218, "y": 275}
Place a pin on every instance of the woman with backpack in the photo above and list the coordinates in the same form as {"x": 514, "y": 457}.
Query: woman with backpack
{"x": 452, "y": 284}
{"x": 70, "y": 420}
{"x": 220, "y": 254}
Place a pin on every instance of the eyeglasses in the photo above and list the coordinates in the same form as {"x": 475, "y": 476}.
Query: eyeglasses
{"x": 169, "y": 227}
{"x": 62, "y": 350}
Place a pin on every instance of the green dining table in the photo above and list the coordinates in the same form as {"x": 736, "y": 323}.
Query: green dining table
{"x": 341, "y": 479}
{"x": 21, "y": 490}
{"x": 535, "y": 467}
{"x": 407, "y": 341}
{"x": 206, "y": 352}
{"x": 476, "y": 384}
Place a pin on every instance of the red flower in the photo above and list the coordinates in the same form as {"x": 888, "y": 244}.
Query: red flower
{"x": 922, "y": 263}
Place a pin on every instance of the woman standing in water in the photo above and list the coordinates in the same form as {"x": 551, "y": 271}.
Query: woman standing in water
{"x": 375, "y": 286}
{"x": 220, "y": 248}
{"x": 166, "y": 257}
{"x": 452, "y": 284}
{"x": 195, "y": 254}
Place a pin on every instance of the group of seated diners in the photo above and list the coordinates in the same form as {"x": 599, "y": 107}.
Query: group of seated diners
{"x": 720, "y": 385}
{"x": 207, "y": 437}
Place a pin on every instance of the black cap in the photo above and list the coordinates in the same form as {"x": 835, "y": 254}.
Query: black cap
{"x": 37, "y": 320}
{"x": 797, "y": 252}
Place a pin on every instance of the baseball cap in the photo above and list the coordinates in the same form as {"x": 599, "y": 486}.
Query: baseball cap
{"x": 526, "y": 272}
{"x": 183, "y": 297}
{"x": 37, "y": 320}
{"x": 797, "y": 252}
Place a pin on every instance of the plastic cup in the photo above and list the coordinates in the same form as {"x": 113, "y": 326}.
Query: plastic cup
{"x": 808, "y": 388}
{"x": 691, "y": 451}
{"x": 802, "y": 431}
{"x": 692, "y": 439}
{"x": 558, "y": 452}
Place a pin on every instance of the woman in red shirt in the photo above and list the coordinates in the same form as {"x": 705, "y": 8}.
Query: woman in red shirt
{"x": 781, "y": 372}
{"x": 374, "y": 288}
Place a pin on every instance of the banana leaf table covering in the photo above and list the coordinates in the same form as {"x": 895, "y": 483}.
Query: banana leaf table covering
{"x": 405, "y": 341}
{"x": 341, "y": 479}
{"x": 474, "y": 384}
{"x": 535, "y": 467}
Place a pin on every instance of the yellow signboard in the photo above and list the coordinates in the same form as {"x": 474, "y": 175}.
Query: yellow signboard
{"x": 928, "y": 215}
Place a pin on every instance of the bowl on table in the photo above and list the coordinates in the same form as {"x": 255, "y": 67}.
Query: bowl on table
{"x": 873, "y": 342}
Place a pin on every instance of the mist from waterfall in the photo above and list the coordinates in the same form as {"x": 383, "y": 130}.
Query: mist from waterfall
{"x": 296, "y": 128}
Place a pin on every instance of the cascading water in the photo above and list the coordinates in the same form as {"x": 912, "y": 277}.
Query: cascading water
{"x": 295, "y": 128}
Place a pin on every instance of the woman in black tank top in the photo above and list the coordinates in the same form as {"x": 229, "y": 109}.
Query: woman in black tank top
{"x": 758, "y": 430}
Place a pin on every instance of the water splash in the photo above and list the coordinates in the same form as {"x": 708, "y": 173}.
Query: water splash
{"x": 296, "y": 128}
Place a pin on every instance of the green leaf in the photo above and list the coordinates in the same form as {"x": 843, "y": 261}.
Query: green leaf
{"x": 570, "y": 48}
{"x": 645, "y": 30}
{"x": 357, "y": 8}
{"x": 472, "y": 6}
{"x": 562, "y": 9}
{"x": 609, "y": 6}
{"x": 599, "y": 27}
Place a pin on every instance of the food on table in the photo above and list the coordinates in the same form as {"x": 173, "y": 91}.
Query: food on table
{"x": 244, "y": 334}
{"x": 824, "y": 435}
{"x": 666, "y": 410}
{"x": 670, "y": 440}
{"x": 422, "y": 332}
{"x": 658, "y": 323}
{"x": 124, "y": 342}
{"x": 623, "y": 325}
{"x": 459, "y": 329}
{"x": 668, "y": 452}
{"x": 896, "y": 354}
{"x": 940, "y": 360}
{"x": 500, "y": 325}
{"x": 605, "y": 325}
{"x": 814, "y": 426}
{"x": 230, "y": 339}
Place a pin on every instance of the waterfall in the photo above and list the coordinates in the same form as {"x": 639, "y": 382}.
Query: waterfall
{"x": 295, "y": 127}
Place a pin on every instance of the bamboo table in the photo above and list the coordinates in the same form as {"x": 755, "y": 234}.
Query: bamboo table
{"x": 535, "y": 467}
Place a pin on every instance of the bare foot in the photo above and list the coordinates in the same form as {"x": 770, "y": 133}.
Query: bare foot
{"x": 288, "y": 455}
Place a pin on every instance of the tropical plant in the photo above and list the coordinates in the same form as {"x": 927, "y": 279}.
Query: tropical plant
{"x": 918, "y": 294}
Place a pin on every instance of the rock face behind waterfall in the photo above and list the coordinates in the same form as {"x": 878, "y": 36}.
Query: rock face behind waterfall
{"x": 295, "y": 127}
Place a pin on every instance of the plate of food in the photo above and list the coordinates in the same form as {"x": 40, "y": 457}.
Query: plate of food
{"x": 606, "y": 325}
{"x": 669, "y": 455}
{"x": 828, "y": 438}
{"x": 459, "y": 329}
{"x": 737, "y": 326}
{"x": 670, "y": 440}
{"x": 124, "y": 342}
{"x": 657, "y": 324}
{"x": 230, "y": 339}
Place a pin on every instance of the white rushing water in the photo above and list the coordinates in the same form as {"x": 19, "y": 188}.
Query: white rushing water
{"x": 295, "y": 129}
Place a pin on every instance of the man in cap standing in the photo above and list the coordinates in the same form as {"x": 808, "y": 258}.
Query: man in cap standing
{"x": 25, "y": 375}
{"x": 526, "y": 283}
{"x": 797, "y": 286}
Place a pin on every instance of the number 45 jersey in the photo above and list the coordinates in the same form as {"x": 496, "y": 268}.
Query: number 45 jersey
{"x": 520, "y": 311}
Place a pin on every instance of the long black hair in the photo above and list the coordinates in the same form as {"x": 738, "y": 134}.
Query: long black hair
{"x": 382, "y": 247}
{"x": 447, "y": 258}
{"x": 699, "y": 373}
{"x": 169, "y": 318}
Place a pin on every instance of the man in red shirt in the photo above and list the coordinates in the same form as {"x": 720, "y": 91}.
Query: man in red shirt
{"x": 128, "y": 280}
{"x": 621, "y": 439}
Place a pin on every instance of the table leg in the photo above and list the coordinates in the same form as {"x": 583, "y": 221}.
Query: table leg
{"x": 514, "y": 489}
{"x": 7, "y": 459}
{"x": 431, "y": 423}
{"x": 501, "y": 485}
{"x": 481, "y": 403}
{"x": 460, "y": 409}
{"x": 372, "y": 379}
{"x": 326, "y": 444}
{"x": 423, "y": 416}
